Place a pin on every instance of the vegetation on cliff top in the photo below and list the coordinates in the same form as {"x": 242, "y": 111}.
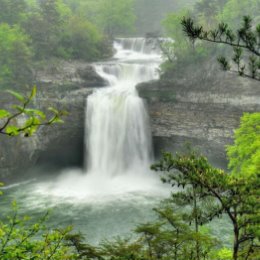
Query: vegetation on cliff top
{"x": 33, "y": 31}
{"x": 228, "y": 14}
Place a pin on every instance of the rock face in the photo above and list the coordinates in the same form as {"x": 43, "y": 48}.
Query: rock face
{"x": 64, "y": 86}
{"x": 201, "y": 108}
{"x": 70, "y": 74}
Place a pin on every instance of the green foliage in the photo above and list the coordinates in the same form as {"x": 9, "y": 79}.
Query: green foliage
{"x": 30, "y": 118}
{"x": 180, "y": 46}
{"x": 167, "y": 238}
{"x": 244, "y": 154}
{"x": 45, "y": 26}
{"x": 55, "y": 30}
{"x": 171, "y": 237}
{"x": 208, "y": 10}
{"x": 116, "y": 17}
{"x": 82, "y": 40}
{"x": 224, "y": 63}
{"x": 222, "y": 254}
{"x": 208, "y": 13}
{"x": 244, "y": 38}
{"x": 22, "y": 239}
{"x": 235, "y": 197}
{"x": 180, "y": 51}
{"x": 15, "y": 56}
{"x": 112, "y": 17}
{"x": 12, "y": 12}
{"x": 121, "y": 249}
{"x": 233, "y": 10}
{"x": 40, "y": 30}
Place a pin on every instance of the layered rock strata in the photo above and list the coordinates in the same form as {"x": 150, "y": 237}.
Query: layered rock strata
{"x": 201, "y": 108}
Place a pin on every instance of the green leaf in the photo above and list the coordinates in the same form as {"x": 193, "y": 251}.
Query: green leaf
{"x": 30, "y": 130}
{"x": 33, "y": 93}
{"x": 32, "y": 121}
{"x": 63, "y": 113}
{"x": 55, "y": 111}
{"x": 33, "y": 112}
{"x": 17, "y": 95}
{"x": 57, "y": 120}
{"x": 14, "y": 204}
{"x": 28, "y": 122}
{"x": 1, "y": 193}
{"x": 19, "y": 108}
{"x": 36, "y": 121}
{"x": 12, "y": 130}
{"x": 4, "y": 113}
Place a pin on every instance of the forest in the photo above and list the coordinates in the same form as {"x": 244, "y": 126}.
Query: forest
{"x": 137, "y": 202}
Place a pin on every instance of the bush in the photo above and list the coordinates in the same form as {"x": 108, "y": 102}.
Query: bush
{"x": 81, "y": 40}
{"x": 21, "y": 239}
{"x": 15, "y": 56}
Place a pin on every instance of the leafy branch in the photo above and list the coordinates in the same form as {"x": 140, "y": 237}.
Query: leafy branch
{"x": 244, "y": 38}
{"x": 20, "y": 238}
{"x": 31, "y": 118}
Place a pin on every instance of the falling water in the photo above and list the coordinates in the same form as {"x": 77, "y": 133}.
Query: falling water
{"x": 118, "y": 190}
{"x": 118, "y": 136}
{"x": 117, "y": 128}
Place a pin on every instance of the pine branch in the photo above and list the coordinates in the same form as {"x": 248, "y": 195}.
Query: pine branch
{"x": 243, "y": 39}
{"x": 216, "y": 36}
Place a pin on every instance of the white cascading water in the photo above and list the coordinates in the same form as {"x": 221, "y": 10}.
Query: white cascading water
{"x": 118, "y": 136}
{"x": 117, "y": 129}
{"x": 118, "y": 191}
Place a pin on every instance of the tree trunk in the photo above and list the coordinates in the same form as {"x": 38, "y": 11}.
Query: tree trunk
{"x": 195, "y": 208}
{"x": 236, "y": 243}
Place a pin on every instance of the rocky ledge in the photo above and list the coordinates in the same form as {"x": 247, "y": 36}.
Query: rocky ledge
{"x": 201, "y": 108}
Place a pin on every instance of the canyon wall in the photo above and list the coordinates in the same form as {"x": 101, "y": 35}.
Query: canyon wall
{"x": 64, "y": 86}
{"x": 200, "y": 108}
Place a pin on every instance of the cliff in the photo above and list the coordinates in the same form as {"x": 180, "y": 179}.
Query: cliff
{"x": 64, "y": 85}
{"x": 201, "y": 106}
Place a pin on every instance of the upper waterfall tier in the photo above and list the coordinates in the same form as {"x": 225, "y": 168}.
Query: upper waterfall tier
{"x": 142, "y": 45}
{"x": 142, "y": 49}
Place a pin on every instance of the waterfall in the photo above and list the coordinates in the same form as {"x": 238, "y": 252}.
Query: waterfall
{"x": 118, "y": 138}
